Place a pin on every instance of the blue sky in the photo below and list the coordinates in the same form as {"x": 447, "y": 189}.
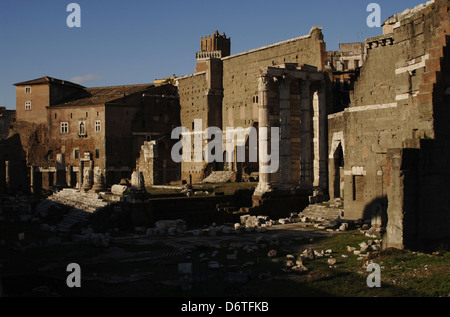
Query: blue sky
{"x": 137, "y": 41}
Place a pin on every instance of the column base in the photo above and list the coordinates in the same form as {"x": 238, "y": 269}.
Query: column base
{"x": 262, "y": 188}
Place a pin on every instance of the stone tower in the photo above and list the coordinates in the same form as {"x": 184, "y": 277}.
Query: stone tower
{"x": 213, "y": 46}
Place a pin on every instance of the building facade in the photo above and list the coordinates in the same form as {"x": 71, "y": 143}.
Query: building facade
{"x": 72, "y": 134}
{"x": 224, "y": 93}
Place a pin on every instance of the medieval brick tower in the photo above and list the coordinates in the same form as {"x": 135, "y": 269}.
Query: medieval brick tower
{"x": 212, "y": 46}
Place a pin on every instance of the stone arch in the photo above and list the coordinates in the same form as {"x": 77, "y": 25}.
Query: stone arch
{"x": 336, "y": 164}
{"x": 338, "y": 139}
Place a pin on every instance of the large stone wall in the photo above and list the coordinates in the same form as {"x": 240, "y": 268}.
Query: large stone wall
{"x": 397, "y": 104}
{"x": 193, "y": 91}
{"x": 234, "y": 79}
{"x": 240, "y": 108}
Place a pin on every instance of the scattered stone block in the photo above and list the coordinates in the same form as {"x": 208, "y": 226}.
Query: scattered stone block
{"x": 119, "y": 190}
{"x": 343, "y": 227}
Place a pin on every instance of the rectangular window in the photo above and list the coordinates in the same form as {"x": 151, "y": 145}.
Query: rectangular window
{"x": 28, "y": 90}
{"x": 97, "y": 153}
{"x": 76, "y": 154}
{"x": 64, "y": 127}
{"x": 98, "y": 126}
{"x": 356, "y": 63}
{"x": 28, "y": 105}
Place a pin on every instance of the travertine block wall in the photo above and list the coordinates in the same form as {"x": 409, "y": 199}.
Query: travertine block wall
{"x": 193, "y": 91}
{"x": 240, "y": 72}
{"x": 226, "y": 93}
{"x": 396, "y": 106}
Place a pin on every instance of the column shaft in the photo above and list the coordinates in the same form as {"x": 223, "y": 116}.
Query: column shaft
{"x": 323, "y": 138}
{"x": 306, "y": 154}
{"x": 264, "y": 135}
{"x": 285, "y": 128}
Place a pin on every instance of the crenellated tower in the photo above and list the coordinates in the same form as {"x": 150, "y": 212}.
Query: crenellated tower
{"x": 211, "y": 47}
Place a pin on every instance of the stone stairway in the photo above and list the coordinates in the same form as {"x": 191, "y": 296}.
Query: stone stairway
{"x": 83, "y": 206}
{"x": 88, "y": 202}
{"x": 325, "y": 211}
{"x": 218, "y": 177}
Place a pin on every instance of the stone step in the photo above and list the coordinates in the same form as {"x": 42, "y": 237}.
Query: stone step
{"x": 321, "y": 211}
{"x": 218, "y": 177}
{"x": 83, "y": 204}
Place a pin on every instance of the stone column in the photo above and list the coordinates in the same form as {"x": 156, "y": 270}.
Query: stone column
{"x": 316, "y": 142}
{"x": 137, "y": 182}
{"x": 87, "y": 172}
{"x": 264, "y": 184}
{"x": 8, "y": 175}
{"x": 99, "y": 180}
{"x": 285, "y": 130}
{"x": 32, "y": 179}
{"x": 80, "y": 175}
{"x": 69, "y": 176}
{"x": 305, "y": 136}
{"x": 323, "y": 137}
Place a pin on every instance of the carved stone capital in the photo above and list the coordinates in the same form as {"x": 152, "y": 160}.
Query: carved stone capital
{"x": 263, "y": 82}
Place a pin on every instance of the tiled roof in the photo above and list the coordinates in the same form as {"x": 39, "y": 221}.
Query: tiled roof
{"x": 102, "y": 95}
{"x": 47, "y": 79}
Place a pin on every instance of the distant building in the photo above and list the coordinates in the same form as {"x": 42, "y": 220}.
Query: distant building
{"x": 99, "y": 129}
{"x": 343, "y": 66}
{"x": 7, "y": 117}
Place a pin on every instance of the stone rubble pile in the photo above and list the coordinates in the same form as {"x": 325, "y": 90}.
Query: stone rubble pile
{"x": 364, "y": 248}
{"x": 218, "y": 177}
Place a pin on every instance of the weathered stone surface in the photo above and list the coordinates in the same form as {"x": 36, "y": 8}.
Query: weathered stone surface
{"x": 119, "y": 190}
{"x": 343, "y": 227}
{"x": 394, "y": 135}
{"x": 137, "y": 181}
